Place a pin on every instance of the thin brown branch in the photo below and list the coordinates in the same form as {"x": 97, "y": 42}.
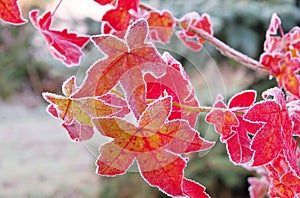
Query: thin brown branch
{"x": 229, "y": 51}
{"x": 222, "y": 47}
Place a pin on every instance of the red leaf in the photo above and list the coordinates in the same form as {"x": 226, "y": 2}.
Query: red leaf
{"x": 242, "y": 99}
{"x": 281, "y": 56}
{"x": 78, "y": 132}
{"x": 150, "y": 143}
{"x": 223, "y": 120}
{"x": 193, "y": 189}
{"x": 134, "y": 87}
{"x": 193, "y": 19}
{"x": 105, "y": 2}
{"x": 167, "y": 175}
{"x": 10, "y": 12}
{"x": 161, "y": 26}
{"x": 129, "y": 4}
{"x": 272, "y": 40}
{"x": 119, "y": 18}
{"x": 238, "y": 145}
{"x": 275, "y": 135}
{"x": 293, "y": 181}
{"x": 232, "y": 126}
{"x": 177, "y": 84}
{"x": 126, "y": 62}
{"x": 52, "y": 111}
{"x": 294, "y": 111}
{"x": 63, "y": 45}
{"x": 283, "y": 181}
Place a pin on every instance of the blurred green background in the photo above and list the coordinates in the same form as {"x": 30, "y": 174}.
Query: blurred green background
{"x": 27, "y": 70}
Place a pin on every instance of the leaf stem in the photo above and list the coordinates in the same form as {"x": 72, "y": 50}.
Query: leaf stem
{"x": 118, "y": 93}
{"x": 238, "y": 111}
{"x": 222, "y": 47}
{"x": 229, "y": 51}
{"x": 202, "y": 109}
{"x": 57, "y": 6}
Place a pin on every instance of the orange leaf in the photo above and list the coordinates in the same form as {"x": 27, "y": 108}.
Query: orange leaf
{"x": 154, "y": 142}
{"x": 161, "y": 26}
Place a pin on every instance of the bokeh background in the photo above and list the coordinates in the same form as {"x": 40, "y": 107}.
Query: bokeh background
{"x": 36, "y": 157}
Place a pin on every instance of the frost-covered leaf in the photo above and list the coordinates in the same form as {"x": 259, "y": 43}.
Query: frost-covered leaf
{"x": 294, "y": 112}
{"x": 282, "y": 56}
{"x": 177, "y": 84}
{"x": 10, "y": 12}
{"x": 224, "y": 120}
{"x": 76, "y": 114}
{"x": 283, "y": 181}
{"x": 120, "y": 17}
{"x": 233, "y": 128}
{"x": 276, "y": 133}
{"x": 63, "y": 45}
{"x": 126, "y": 62}
{"x": 155, "y": 143}
{"x": 161, "y": 26}
{"x": 194, "y": 20}
{"x": 78, "y": 132}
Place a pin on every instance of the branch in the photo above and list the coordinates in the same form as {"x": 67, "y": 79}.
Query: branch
{"x": 229, "y": 51}
{"x": 222, "y": 47}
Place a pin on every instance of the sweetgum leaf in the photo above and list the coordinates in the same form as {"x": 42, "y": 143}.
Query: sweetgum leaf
{"x": 282, "y": 56}
{"x": 161, "y": 26}
{"x": 76, "y": 114}
{"x": 155, "y": 143}
{"x": 10, "y": 12}
{"x": 193, "y": 19}
{"x": 119, "y": 18}
{"x": 134, "y": 86}
{"x": 193, "y": 189}
{"x": 294, "y": 112}
{"x": 238, "y": 145}
{"x": 177, "y": 84}
{"x": 233, "y": 128}
{"x": 283, "y": 180}
{"x": 224, "y": 120}
{"x": 276, "y": 133}
{"x": 126, "y": 62}
{"x": 78, "y": 132}
{"x": 63, "y": 45}
{"x": 118, "y": 102}
{"x": 267, "y": 143}
{"x": 285, "y": 69}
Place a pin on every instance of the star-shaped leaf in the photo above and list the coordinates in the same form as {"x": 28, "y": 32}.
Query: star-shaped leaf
{"x": 76, "y": 114}
{"x": 276, "y": 133}
{"x": 155, "y": 143}
{"x": 234, "y": 129}
{"x": 126, "y": 62}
